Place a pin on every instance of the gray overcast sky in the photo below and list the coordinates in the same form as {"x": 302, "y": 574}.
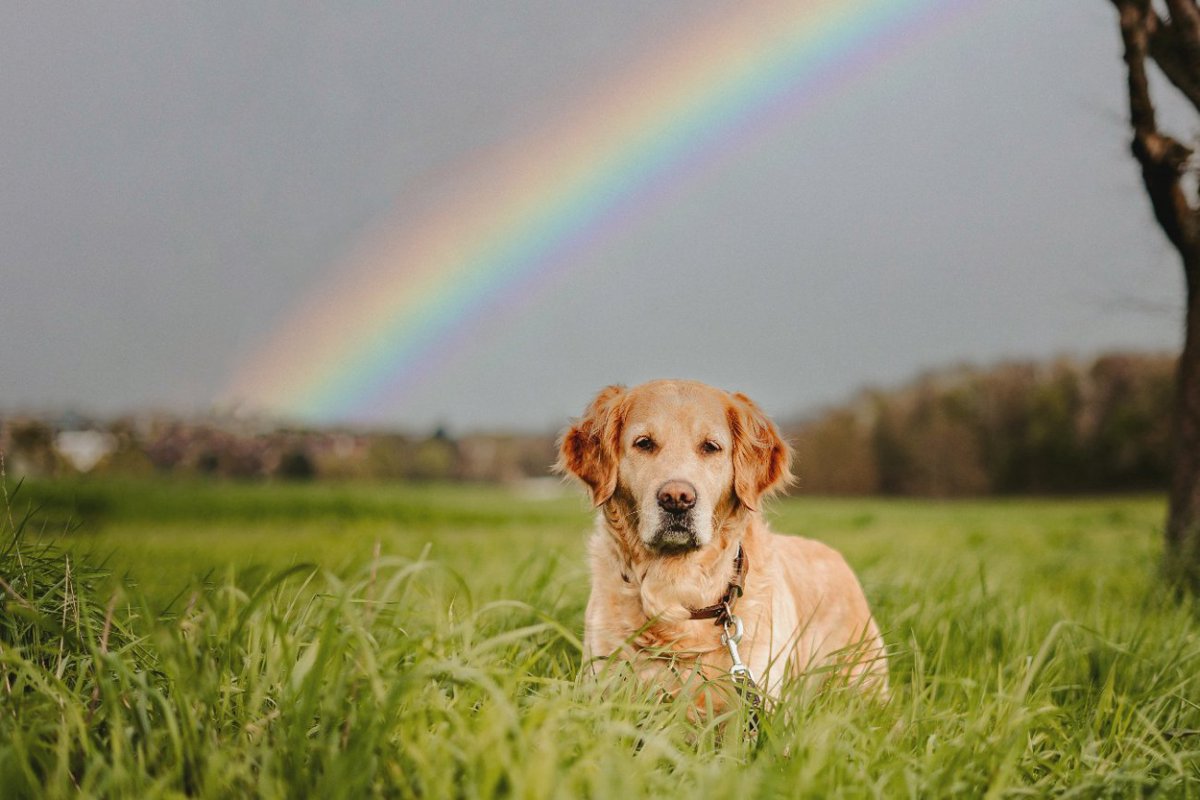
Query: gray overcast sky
{"x": 175, "y": 177}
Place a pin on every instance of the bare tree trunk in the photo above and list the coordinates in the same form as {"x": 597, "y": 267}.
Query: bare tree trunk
{"x": 1183, "y": 522}
{"x": 1172, "y": 42}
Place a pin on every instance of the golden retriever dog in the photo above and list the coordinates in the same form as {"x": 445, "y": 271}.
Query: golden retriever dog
{"x": 681, "y": 558}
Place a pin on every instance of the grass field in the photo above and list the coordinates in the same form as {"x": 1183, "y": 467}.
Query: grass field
{"x": 353, "y": 641}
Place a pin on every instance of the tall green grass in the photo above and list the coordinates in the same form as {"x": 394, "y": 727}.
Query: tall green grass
{"x": 1032, "y": 654}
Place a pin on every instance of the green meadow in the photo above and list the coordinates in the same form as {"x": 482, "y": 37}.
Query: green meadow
{"x": 163, "y": 639}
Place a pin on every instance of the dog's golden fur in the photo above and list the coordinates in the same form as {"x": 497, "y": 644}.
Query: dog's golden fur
{"x": 803, "y": 608}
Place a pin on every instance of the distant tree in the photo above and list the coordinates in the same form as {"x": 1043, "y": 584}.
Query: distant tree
{"x": 296, "y": 465}
{"x": 1126, "y": 435}
{"x": 32, "y": 448}
{"x": 1168, "y": 34}
{"x": 1053, "y": 457}
{"x": 435, "y": 459}
{"x": 834, "y": 454}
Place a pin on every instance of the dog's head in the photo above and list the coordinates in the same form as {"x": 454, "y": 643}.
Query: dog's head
{"x": 676, "y": 457}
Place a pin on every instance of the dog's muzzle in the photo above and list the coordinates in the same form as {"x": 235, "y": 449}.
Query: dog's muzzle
{"x": 675, "y": 535}
{"x": 676, "y": 532}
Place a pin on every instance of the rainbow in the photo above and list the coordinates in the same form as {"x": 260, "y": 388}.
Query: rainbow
{"x": 523, "y": 212}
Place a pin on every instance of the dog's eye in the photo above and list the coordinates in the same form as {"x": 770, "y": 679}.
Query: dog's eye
{"x": 709, "y": 447}
{"x": 644, "y": 443}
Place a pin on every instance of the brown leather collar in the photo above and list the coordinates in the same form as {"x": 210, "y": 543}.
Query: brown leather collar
{"x": 720, "y": 610}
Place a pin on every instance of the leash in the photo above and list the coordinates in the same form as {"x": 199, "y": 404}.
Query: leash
{"x": 732, "y": 630}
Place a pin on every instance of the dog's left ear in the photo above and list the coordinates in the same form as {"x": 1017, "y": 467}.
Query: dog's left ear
{"x": 761, "y": 459}
{"x": 590, "y": 448}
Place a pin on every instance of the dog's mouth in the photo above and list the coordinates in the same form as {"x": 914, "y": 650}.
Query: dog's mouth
{"x": 675, "y": 535}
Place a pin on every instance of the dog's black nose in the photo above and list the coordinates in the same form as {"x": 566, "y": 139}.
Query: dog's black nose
{"x": 676, "y": 496}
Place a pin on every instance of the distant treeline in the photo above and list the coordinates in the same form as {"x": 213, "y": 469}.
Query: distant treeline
{"x": 1017, "y": 428}
{"x": 255, "y": 450}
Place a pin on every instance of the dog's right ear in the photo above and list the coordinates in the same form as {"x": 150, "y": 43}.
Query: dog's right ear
{"x": 590, "y": 448}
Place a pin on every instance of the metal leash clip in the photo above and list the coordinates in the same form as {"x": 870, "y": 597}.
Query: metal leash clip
{"x": 732, "y": 626}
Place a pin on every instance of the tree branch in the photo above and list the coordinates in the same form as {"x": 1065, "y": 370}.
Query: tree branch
{"x": 1175, "y": 48}
{"x": 1162, "y": 158}
{"x": 1185, "y": 16}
